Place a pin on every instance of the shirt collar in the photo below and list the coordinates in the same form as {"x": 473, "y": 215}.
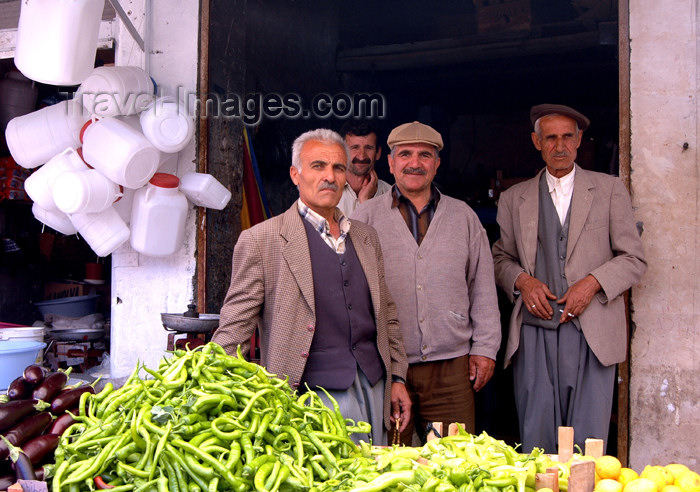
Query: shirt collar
{"x": 320, "y": 223}
{"x": 397, "y": 197}
{"x": 565, "y": 183}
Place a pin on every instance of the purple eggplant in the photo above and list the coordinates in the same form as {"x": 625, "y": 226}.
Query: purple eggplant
{"x": 51, "y": 386}
{"x": 34, "y": 374}
{"x": 24, "y": 431}
{"x": 14, "y": 411}
{"x": 59, "y": 426}
{"x": 40, "y": 447}
{"x": 19, "y": 389}
{"x": 69, "y": 399}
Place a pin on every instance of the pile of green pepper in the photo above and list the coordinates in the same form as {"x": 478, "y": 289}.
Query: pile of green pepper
{"x": 204, "y": 421}
{"x": 207, "y": 421}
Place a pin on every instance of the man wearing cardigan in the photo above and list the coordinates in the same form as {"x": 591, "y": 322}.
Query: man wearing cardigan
{"x": 313, "y": 283}
{"x": 439, "y": 271}
{"x": 568, "y": 250}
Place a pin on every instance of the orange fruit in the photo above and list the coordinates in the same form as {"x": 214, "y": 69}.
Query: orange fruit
{"x": 627, "y": 475}
{"x": 655, "y": 473}
{"x": 676, "y": 469}
{"x": 608, "y": 467}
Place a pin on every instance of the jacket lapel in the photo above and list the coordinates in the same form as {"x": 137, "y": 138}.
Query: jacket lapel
{"x": 529, "y": 215}
{"x": 296, "y": 253}
{"x": 581, "y": 201}
{"x": 368, "y": 261}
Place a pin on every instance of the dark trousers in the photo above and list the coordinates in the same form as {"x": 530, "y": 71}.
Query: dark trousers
{"x": 558, "y": 381}
{"x": 440, "y": 391}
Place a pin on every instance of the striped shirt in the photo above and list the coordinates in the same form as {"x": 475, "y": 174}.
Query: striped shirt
{"x": 321, "y": 226}
{"x": 417, "y": 222}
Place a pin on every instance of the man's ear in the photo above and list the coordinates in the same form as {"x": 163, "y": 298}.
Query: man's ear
{"x": 536, "y": 141}
{"x": 379, "y": 152}
{"x": 294, "y": 174}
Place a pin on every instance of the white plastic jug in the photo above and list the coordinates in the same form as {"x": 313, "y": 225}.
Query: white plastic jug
{"x": 57, "y": 220}
{"x": 158, "y": 217}
{"x": 167, "y": 125}
{"x": 40, "y": 184}
{"x": 104, "y": 231}
{"x": 123, "y": 205}
{"x": 87, "y": 191}
{"x": 36, "y": 137}
{"x": 57, "y": 39}
{"x": 119, "y": 152}
{"x": 204, "y": 190}
{"x": 113, "y": 91}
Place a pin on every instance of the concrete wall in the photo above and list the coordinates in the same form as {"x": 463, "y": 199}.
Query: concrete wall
{"x": 664, "y": 393}
{"x": 142, "y": 286}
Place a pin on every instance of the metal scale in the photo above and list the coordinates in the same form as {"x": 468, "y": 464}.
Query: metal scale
{"x": 196, "y": 328}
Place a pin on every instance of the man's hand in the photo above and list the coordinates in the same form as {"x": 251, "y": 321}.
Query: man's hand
{"x": 535, "y": 294}
{"x": 480, "y": 370}
{"x": 577, "y": 298}
{"x": 400, "y": 405}
{"x": 369, "y": 187}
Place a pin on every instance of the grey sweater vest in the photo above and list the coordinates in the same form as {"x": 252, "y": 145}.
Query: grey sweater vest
{"x": 346, "y": 334}
{"x": 552, "y": 238}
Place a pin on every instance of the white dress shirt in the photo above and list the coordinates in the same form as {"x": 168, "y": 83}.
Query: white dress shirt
{"x": 561, "y": 189}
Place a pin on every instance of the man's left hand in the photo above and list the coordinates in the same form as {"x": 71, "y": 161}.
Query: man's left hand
{"x": 400, "y": 404}
{"x": 577, "y": 298}
{"x": 480, "y": 370}
{"x": 369, "y": 187}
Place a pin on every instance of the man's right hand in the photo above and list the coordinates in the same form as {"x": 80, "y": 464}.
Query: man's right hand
{"x": 535, "y": 295}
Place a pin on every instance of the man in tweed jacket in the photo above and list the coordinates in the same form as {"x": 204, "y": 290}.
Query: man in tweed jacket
{"x": 440, "y": 272}
{"x": 314, "y": 285}
{"x": 568, "y": 250}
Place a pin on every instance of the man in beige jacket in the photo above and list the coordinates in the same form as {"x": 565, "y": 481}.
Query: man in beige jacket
{"x": 568, "y": 250}
{"x": 314, "y": 283}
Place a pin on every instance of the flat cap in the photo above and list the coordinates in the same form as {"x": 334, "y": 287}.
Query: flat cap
{"x": 541, "y": 110}
{"x": 415, "y": 132}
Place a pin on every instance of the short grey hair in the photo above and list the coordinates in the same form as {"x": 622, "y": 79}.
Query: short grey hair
{"x": 538, "y": 127}
{"x": 323, "y": 135}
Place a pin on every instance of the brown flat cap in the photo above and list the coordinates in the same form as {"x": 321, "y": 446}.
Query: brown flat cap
{"x": 415, "y": 132}
{"x": 541, "y": 110}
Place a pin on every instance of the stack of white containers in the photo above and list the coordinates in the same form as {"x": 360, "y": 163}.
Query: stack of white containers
{"x": 99, "y": 155}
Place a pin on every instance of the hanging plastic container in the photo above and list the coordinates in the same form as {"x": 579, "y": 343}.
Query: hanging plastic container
{"x": 104, "y": 232}
{"x": 158, "y": 217}
{"x": 57, "y": 220}
{"x": 40, "y": 184}
{"x": 114, "y": 91}
{"x": 57, "y": 39}
{"x": 87, "y": 191}
{"x": 36, "y": 137}
{"x": 119, "y": 152}
{"x": 167, "y": 125}
{"x": 124, "y": 204}
{"x": 204, "y": 190}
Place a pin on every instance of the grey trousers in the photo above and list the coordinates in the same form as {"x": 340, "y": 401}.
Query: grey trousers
{"x": 362, "y": 402}
{"x": 558, "y": 381}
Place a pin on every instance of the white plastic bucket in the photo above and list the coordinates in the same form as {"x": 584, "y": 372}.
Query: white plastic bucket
{"x": 158, "y": 217}
{"x": 113, "y": 91}
{"x": 87, "y": 191}
{"x": 204, "y": 190}
{"x": 167, "y": 125}
{"x": 39, "y": 185}
{"x": 36, "y": 137}
{"x": 14, "y": 357}
{"x": 119, "y": 152}
{"x": 57, "y": 39}
{"x": 56, "y": 220}
{"x": 24, "y": 334}
{"x": 104, "y": 232}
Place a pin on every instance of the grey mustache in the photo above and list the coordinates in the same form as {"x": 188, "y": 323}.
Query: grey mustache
{"x": 328, "y": 186}
{"x": 414, "y": 170}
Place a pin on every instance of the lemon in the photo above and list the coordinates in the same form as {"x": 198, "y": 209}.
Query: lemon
{"x": 608, "y": 485}
{"x": 656, "y": 474}
{"x": 676, "y": 469}
{"x": 689, "y": 481}
{"x": 640, "y": 485}
{"x": 627, "y": 475}
{"x": 608, "y": 467}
